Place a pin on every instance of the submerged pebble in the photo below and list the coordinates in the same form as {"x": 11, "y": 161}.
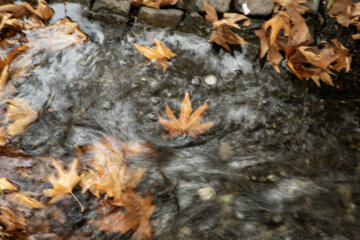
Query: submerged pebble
{"x": 210, "y": 79}
{"x": 206, "y": 193}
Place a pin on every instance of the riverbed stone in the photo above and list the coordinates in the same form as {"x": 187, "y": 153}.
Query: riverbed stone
{"x": 160, "y": 17}
{"x": 198, "y": 6}
{"x": 313, "y": 5}
{"x": 256, "y": 7}
{"x": 118, "y": 7}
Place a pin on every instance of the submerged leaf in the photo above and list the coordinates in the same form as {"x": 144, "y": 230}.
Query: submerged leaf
{"x": 187, "y": 123}
{"x": 22, "y": 199}
{"x": 64, "y": 183}
{"x": 135, "y": 217}
{"x": 160, "y": 54}
{"x": 21, "y": 114}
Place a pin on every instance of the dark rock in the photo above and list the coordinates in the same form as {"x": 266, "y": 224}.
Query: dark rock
{"x": 160, "y": 17}
{"x": 197, "y": 5}
{"x": 116, "y": 7}
{"x": 256, "y": 7}
{"x": 194, "y": 23}
{"x": 313, "y": 5}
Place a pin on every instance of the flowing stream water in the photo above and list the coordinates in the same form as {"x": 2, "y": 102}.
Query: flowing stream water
{"x": 281, "y": 162}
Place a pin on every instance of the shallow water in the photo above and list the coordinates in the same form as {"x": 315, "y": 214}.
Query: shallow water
{"x": 283, "y": 157}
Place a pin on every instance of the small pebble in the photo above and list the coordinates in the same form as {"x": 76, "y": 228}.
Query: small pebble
{"x": 206, "y": 193}
{"x": 196, "y": 81}
{"x": 210, "y": 79}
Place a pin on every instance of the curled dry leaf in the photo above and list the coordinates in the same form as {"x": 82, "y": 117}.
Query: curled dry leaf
{"x": 21, "y": 114}
{"x": 287, "y": 34}
{"x": 64, "y": 183}
{"x": 160, "y": 54}
{"x": 42, "y": 10}
{"x": 188, "y": 122}
{"x": 154, "y": 3}
{"x": 295, "y": 4}
{"x": 347, "y": 13}
{"x": 135, "y": 217}
{"x": 24, "y": 200}
{"x": 222, "y": 33}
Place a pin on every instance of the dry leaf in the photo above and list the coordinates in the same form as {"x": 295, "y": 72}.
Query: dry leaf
{"x": 64, "y": 183}
{"x": 347, "y": 13}
{"x": 187, "y": 123}
{"x": 21, "y": 114}
{"x": 24, "y": 200}
{"x": 222, "y": 33}
{"x": 42, "y": 10}
{"x": 160, "y": 54}
{"x": 296, "y": 4}
{"x": 135, "y": 217}
{"x": 3, "y": 137}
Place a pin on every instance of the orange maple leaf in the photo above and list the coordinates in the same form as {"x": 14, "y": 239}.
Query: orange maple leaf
{"x": 160, "y": 54}
{"x": 187, "y": 123}
{"x": 65, "y": 182}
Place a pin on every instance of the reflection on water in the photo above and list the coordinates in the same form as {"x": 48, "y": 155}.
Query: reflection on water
{"x": 284, "y": 162}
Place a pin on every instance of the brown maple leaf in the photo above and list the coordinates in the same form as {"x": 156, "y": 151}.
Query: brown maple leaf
{"x": 64, "y": 183}
{"x": 222, "y": 33}
{"x": 161, "y": 55}
{"x": 11, "y": 222}
{"x": 347, "y": 13}
{"x": 135, "y": 217}
{"x": 21, "y": 116}
{"x": 187, "y": 123}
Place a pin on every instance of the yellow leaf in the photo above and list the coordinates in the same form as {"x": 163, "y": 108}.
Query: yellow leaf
{"x": 64, "y": 183}
{"x": 5, "y": 184}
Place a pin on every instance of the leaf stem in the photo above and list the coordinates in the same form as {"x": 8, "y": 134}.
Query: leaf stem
{"x": 82, "y": 207}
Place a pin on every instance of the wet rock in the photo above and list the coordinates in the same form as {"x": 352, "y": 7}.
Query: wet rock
{"x": 313, "y": 5}
{"x": 118, "y": 7}
{"x": 225, "y": 151}
{"x": 160, "y": 17}
{"x": 256, "y": 7}
{"x": 196, "y": 81}
{"x": 193, "y": 23}
{"x": 206, "y": 193}
{"x": 197, "y": 5}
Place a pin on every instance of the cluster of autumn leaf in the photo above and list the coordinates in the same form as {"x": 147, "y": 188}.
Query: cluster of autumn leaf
{"x": 284, "y": 37}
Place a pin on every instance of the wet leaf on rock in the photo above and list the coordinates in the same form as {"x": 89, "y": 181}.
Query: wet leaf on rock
{"x": 188, "y": 123}
{"x": 11, "y": 223}
{"x": 161, "y": 55}
{"x": 21, "y": 116}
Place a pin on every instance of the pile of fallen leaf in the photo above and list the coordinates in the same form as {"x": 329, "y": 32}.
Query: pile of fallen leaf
{"x": 286, "y": 36}
{"x": 154, "y": 3}
{"x": 347, "y": 13}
